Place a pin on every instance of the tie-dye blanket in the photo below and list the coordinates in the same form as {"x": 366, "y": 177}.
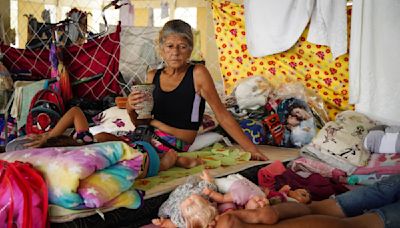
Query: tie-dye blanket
{"x": 93, "y": 176}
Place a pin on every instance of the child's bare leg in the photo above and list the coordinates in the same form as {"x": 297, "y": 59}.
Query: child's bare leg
{"x": 73, "y": 117}
{"x": 168, "y": 160}
{"x": 107, "y": 137}
{"x": 188, "y": 162}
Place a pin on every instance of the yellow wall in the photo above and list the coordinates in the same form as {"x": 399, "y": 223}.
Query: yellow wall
{"x": 27, "y": 7}
{"x": 141, "y": 17}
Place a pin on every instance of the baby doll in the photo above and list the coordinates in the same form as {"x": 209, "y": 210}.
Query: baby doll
{"x": 188, "y": 205}
{"x": 237, "y": 191}
{"x": 301, "y": 126}
{"x": 286, "y": 194}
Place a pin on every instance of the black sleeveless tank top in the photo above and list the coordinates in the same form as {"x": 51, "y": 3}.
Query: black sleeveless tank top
{"x": 180, "y": 108}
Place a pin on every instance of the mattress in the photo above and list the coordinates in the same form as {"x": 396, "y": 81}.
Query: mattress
{"x": 154, "y": 197}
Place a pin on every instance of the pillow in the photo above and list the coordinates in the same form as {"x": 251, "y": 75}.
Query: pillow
{"x": 204, "y": 140}
{"x": 116, "y": 119}
{"x": 113, "y": 119}
{"x": 340, "y": 143}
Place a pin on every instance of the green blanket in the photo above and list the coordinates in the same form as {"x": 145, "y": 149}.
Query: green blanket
{"x": 213, "y": 157}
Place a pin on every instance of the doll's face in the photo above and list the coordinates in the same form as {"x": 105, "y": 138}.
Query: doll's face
{"x": 300, "y": 113}
{"x": 256, "y": 202}
{"x": 188, "y": 202}
{"x": 301, "y": 195}
{"x": 292, "y": 121}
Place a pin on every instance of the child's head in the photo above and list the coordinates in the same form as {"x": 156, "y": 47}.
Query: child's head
{"x": 301, "y": 195}
{"x": 197, "y": 211}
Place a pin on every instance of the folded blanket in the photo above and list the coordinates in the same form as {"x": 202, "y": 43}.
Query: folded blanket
{"x": 85, "y": 177}
{"x": 381, "y": 164}
{"x": 340, "y": 143}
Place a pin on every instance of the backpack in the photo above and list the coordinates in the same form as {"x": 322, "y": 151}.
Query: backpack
{"x": 23, "y": 198}
{"x": 45, "y": 110}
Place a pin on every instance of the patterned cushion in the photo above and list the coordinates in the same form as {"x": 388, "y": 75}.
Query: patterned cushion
{"x": 340, "y": 143}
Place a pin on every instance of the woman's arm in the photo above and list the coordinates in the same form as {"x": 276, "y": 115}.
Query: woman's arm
{"x": 206, "y": 88}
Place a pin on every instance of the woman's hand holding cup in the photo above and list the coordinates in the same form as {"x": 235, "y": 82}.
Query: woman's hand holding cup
{"x": 135, "y": 98}
{"x": 141, "y": 100}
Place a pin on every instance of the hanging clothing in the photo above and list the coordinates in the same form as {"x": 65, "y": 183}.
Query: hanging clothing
{"x": 126, "y": 13}
{"x": 164, "y": 10}
{"x": 24, "y": 92}
{"x": 275, "y": 26}
{"x": 374, "y": 73}
{"x": 328, "y": 26}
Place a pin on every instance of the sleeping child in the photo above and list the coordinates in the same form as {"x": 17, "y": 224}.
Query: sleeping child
{"x": 76, "y": 118}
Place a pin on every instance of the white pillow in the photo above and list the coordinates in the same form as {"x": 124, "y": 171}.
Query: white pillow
{"x": 113, "y": 119}
{"x": 204, "y": 140}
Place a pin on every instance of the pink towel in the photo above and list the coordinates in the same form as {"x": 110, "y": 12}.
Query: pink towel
{"x": 304, "y": 167}
{"x": 266, "y": 175}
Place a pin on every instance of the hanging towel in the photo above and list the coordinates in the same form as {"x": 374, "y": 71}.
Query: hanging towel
{"x": 328, "y": 26}
{"x": 275, "y": 26}
{"x": 374, "y": 73}
{"x": 126, "y": 13}
{"x": 24, "y": 92}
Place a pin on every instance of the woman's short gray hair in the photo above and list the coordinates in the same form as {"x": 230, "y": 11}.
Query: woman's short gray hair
{"x": 176, "y": 27}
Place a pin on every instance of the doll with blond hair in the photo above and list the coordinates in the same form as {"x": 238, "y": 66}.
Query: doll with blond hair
{"x": 189, "y": 205}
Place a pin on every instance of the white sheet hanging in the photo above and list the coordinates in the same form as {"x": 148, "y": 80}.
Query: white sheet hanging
{"x": 275, "y": 26}
{"x": 328, "y": 26}
{"x": 374, "y": 59}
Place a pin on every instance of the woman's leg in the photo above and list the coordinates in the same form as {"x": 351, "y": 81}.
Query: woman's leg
{"x": 369, "y": 220}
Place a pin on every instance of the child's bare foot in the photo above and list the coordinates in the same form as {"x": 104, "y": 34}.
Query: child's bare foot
{"x": 187, "y": 162}
{"x": 168, "y": 160}
{"x": 163, "y": 222}
{"x": 156, "y": 222}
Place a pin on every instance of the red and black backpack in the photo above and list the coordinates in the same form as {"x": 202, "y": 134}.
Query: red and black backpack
{"x": 45, "y": 110}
